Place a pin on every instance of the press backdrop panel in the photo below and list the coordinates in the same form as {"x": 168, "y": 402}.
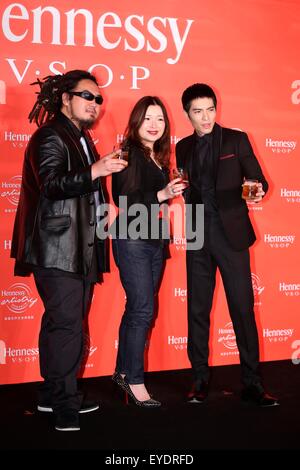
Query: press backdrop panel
{"x": 248, "y": 51}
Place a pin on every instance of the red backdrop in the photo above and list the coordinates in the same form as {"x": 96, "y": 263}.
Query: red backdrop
{"x": 159, "y": 48}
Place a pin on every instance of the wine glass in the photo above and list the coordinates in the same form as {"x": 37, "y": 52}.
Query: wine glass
{"x": 181, "y": 173}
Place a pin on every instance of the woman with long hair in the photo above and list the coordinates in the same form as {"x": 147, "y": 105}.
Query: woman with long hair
{"x": 139, "y": 244}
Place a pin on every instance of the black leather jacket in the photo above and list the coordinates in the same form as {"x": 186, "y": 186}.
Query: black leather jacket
{"x": 55, "y": 221}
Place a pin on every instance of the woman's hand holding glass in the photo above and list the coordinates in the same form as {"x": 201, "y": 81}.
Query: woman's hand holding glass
{"x": 181, "y": 173}
{"x": 175, "y": 187}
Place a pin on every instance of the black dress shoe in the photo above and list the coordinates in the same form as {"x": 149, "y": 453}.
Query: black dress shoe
{"x": 198, "y": 394}
{"x": 256, "y": 394}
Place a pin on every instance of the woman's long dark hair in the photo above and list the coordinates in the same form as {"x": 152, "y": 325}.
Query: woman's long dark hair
{"x": 162, "y": 146}
{"x": 49, "y": 98}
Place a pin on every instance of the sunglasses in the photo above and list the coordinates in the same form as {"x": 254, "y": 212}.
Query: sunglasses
{"x": 87, "y": 95}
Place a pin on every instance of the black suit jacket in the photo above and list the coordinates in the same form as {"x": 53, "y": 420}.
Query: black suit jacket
{"x": 55, "y": 222}
{"x": 234, "y": 161}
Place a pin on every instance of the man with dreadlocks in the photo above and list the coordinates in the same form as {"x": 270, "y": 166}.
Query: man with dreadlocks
{"x": 54, "y": 234}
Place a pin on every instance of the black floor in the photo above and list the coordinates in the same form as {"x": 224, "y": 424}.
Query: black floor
{"x": 223, "y": 423}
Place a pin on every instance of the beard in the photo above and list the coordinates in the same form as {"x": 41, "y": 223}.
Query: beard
{"x": 80, "y": 121}
{"x": 86, "y": 123}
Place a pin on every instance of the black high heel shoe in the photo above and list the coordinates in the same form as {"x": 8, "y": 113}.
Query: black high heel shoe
{"x": 151, "y": 403}
{"x": 118, "y": 379}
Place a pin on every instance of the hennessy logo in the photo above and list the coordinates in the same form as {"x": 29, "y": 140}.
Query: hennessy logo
{"x": 227, "y": 336}
{"x": 133, "y": 33}
{"x": 18, "y": 298}
{"x": 279, "y": 241}
{"x": 281, "y": 146}
{"x": 181, "y": 293}
{"x": 291, "y": 195}
{"x": 11, "y": 190}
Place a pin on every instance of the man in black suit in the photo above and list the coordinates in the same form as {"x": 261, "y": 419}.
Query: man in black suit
{"x": 217, "y": 161}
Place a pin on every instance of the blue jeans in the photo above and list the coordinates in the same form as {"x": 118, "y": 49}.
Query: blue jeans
{"x": 140, "y": 265}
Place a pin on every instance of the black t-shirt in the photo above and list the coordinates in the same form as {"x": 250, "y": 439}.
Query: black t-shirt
{"x": 139, "y": 183}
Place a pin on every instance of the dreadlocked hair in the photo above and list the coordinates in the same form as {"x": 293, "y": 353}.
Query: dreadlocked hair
{"x": 49, "y": 97}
